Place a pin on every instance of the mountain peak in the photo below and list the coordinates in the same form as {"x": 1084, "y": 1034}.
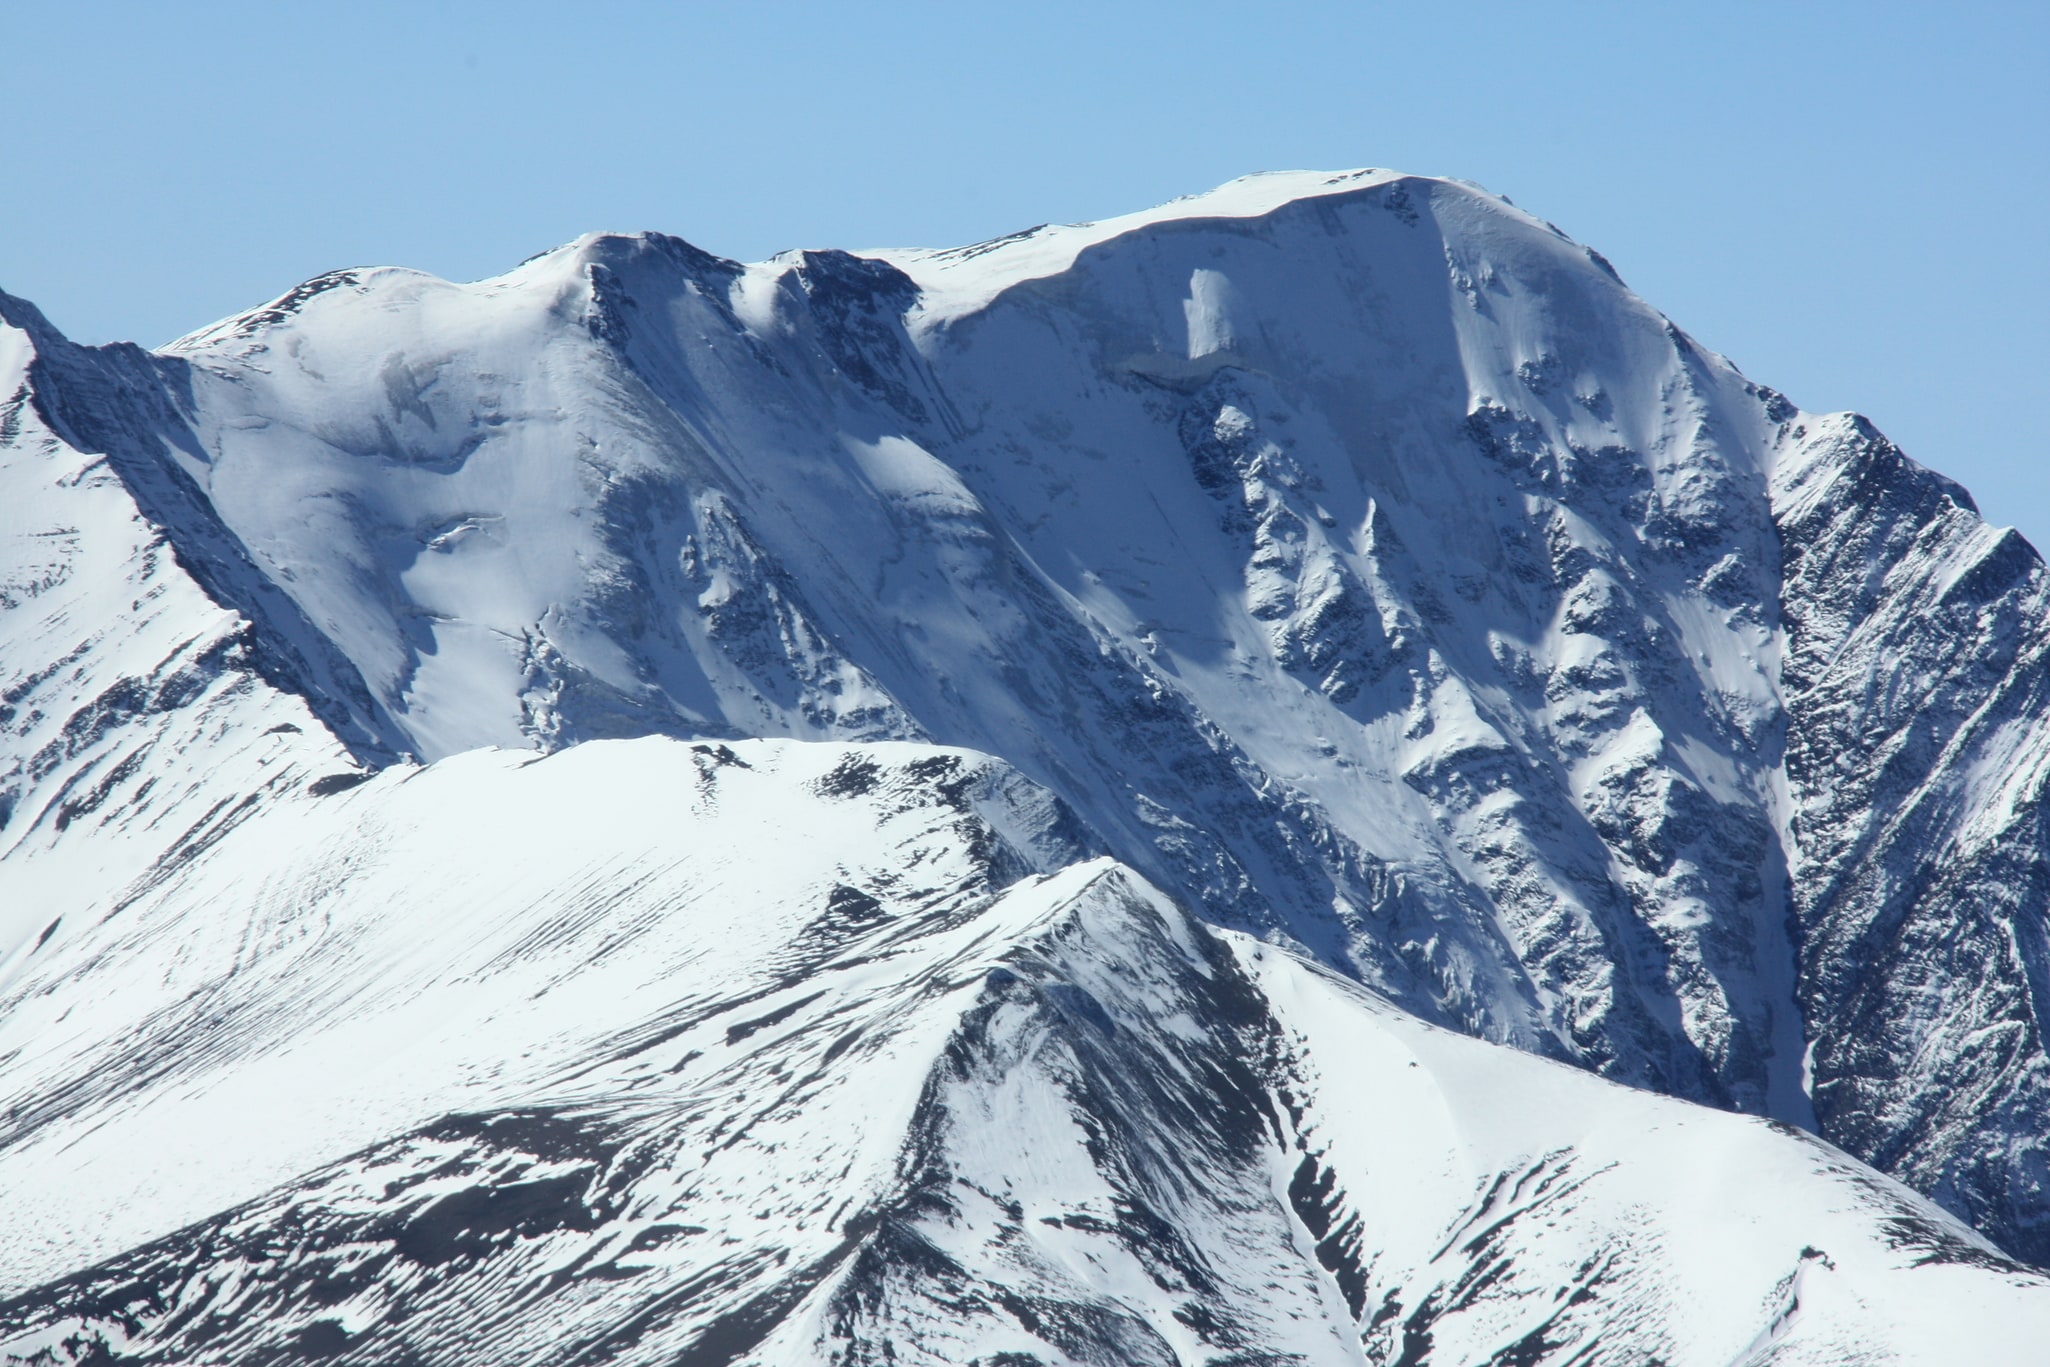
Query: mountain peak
{"x": 1428, "y": 635}
{"x": 958, "y": 280}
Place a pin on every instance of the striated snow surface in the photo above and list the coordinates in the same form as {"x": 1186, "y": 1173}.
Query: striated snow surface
{"x": 774, "y": 1053}
{"x": 1415, "y": 628}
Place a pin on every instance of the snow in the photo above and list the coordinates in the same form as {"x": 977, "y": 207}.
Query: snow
{"x": 134, "y": 722}
{"x": 960, "y": 281}
{"x": 638, "y": 940}
{"x": 1428, "y": 1120}
{"x": 433, "y": 941}
{"x": 1347, "y": 561}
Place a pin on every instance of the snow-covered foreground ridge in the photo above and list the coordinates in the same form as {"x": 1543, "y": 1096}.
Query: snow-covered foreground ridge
{"x": 776, "y": 1052}
{"x": 1351, "y": 559}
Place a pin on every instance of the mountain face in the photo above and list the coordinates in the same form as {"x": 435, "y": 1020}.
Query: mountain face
{"x": 598, "y": 1090}
{"x": 958, "y": 805}
{"x": 655, "y": 1051}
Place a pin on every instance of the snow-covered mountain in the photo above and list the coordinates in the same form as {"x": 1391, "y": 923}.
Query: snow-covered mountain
{"x": 1239, "y": 643}
{"x": 605, "y": 1084}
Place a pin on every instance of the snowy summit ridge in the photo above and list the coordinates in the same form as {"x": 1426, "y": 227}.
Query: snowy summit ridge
{"x": 1028, "y": 803}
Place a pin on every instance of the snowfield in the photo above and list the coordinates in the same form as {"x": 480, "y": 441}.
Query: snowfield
{"x": 781, "y": 1052}
{"x": 1297, "y": 777}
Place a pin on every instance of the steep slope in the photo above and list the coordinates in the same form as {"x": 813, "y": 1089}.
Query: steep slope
{"x": 1354, "y": 555}
{"x": 631, "y": 487}
{"x": 781, "y": 1053}
{"x": 136, "y": 725}
{"x": 1918, "y": 757}
{"x": 342, "y": 966}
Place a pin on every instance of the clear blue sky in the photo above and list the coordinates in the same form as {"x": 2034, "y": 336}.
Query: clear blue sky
{"x": 1849, "y": 200}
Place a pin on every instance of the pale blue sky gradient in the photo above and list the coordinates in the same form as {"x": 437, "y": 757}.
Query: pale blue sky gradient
{"x": 1849, "y": 200}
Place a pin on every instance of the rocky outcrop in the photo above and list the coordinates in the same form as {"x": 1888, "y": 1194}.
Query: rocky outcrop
{"x": 1917, "y": 677}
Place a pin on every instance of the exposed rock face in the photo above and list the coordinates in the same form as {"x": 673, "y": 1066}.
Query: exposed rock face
{"x": 1917, "y": 675}
{"x": 1352, "y": 558}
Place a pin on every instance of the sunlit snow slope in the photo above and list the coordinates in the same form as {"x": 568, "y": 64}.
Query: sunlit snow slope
{"x": 775, "y": 1053}
{"x": 1352, "y": 558}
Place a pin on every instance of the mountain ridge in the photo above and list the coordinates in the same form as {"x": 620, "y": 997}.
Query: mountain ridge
{"x": 1124, "y": 1137}
{"x": 1370, "y": 572}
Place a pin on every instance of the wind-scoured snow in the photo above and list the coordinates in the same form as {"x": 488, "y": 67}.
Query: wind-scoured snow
{"x": 653, "y": 1051}
{"x": 1351, "y": 558}
{"x": 958, "y": 281}
{"x": 134, "y": 725}
{"x": 439, "y": 941}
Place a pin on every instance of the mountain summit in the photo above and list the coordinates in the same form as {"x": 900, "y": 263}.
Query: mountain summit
{"x": 956, "y": 805}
